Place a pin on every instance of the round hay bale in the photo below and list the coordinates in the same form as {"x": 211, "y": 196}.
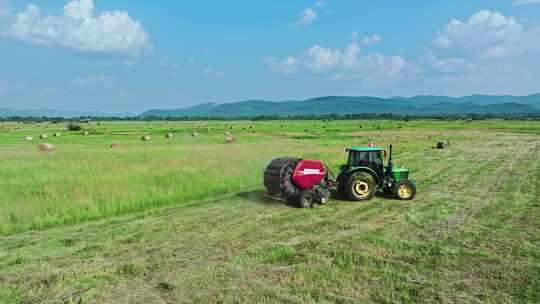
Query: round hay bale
{"x": 45, "y": 147}
{"x": 194, "y": 134}
{"x": 227, "y": 133}
{"x": 44, "y": 136}
{"x": 230, "y": 139}
{"x": 146, "y": 138}
{"x": 442, "y": 144}
{"x": 115, "y": 145}
{"x": 169, "y": 135}
{"x": 56, "y": 134}
{"x": 85, "y": 133}
{"x": 29, "y": 138}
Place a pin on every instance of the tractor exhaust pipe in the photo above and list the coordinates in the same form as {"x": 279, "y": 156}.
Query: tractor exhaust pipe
{"x": 390, "y": 162}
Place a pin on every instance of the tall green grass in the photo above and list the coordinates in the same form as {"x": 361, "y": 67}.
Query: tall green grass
{"x": 83, "y": 179}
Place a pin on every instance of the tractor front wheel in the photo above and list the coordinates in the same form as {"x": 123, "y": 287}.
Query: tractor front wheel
{"x": 405, "y": 191}
{"x": 305, "y": 199}
{"x": 361, "y": 187}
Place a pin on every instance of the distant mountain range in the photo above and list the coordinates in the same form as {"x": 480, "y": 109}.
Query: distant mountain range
{"x": 341, "y": 105}
{"x": 423, "y": 105}
{"x": 57, "y": 113}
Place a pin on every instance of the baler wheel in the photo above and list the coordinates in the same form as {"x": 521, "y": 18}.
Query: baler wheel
{"x": 361, "y": 187}
{"x": 305, "y": 199}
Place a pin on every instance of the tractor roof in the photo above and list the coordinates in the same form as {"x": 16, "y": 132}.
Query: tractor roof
{"x": 365, "y": 149}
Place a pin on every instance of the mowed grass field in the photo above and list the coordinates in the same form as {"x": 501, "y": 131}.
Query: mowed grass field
{"x": 184, "y": 219}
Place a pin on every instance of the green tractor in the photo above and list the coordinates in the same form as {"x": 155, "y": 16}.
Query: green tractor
{"x": 365, "y": 173}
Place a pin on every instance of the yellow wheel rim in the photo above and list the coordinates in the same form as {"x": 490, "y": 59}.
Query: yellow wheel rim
{"x": 361, "y": 188}
{"x": 404, "y": 191}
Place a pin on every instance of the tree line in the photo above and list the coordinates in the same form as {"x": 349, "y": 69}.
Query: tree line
{"x": 382, "y": 116}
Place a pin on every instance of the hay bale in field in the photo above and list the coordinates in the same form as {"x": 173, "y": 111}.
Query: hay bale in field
{"x": 169, "y": 135}
{"x": 85, "y": 133}
{"x": 227, "y": 133}
{"x": 45, "y": 147}
{"x": 442, "y": 145}
{"x": 29, "y": 138}
{"x": 194, "y": 134}
{"x": 115, "y": 145}
{"x": 230, "y": 139}
{"x": 44, "y": 136}
{"x": 146, "y": 138}
{"x": 56, "y": 134}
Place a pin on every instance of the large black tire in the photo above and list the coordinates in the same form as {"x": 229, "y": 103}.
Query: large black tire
{"x": 342, "y": 181}
{"x": 405, "y": 191}
{"x": 305, "y": 199}
{"x": 361, "y": 187}
{"x": 278, "y": 177}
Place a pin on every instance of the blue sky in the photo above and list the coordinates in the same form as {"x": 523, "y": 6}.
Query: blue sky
{"x": 129, "y": 56}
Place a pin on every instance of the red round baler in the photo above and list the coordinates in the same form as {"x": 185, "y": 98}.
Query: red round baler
{"x": 298, "y": 180}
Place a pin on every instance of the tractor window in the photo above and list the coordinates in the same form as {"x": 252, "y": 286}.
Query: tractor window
{"x": 377, "y": 159}
{"x": 366, "y": 159}
{"x": 357, "y": 159}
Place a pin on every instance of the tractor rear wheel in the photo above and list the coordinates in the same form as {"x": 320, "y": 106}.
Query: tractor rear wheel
{"x": 305, "y": 199}
{"x": 405, "y": 191}
{"x": 361, "y": 187}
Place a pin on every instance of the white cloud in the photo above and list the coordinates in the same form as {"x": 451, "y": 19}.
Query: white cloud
{"x": 524, "y": 2}
{"x": 487, "y": 52}
{"x": 286, "y": 66}
{"x": 448, "y": 65}
{"x": 307, "y": 16}
{"x": 348, "y": 62}
{"x": 488, "y": 35}
{"x": 319, "y": 59}
{"x": 371, "y": 40}
{"x": 310, "y": 14}
{"x": 81, "y": 28}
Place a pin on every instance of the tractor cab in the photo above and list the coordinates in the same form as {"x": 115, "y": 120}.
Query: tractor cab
{"x": 365, "y": 173}
{"x": 366, "y": 157}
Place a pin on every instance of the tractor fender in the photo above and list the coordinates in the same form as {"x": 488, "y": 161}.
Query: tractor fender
{"x": 366, "y": 170}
